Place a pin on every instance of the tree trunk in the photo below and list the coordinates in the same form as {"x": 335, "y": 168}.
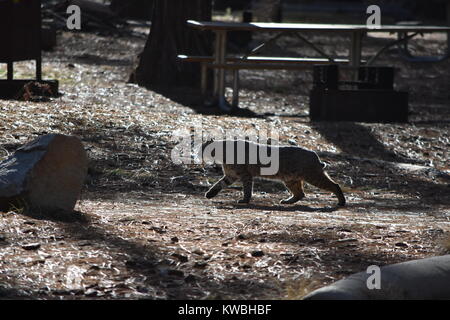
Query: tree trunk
{"x": 170, "y": 36}
{"x": 134, "y": 9}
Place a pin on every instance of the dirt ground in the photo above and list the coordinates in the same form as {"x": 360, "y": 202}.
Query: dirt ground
{"x": 143, "y": 228}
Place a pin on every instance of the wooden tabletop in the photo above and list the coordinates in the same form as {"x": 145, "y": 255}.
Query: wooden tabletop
{"x": 265, "y": 26}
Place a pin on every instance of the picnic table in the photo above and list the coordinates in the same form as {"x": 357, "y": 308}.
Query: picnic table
{"x": 220, "y": 62}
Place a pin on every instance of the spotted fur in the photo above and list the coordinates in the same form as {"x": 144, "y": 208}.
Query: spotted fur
{"x": 296, "y": 166}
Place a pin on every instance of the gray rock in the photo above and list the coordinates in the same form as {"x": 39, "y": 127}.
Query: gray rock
{"x": 424, "y": 279}
{"x": 46, "y": 174}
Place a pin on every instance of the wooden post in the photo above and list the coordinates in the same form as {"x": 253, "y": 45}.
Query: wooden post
{"x": 448, "y": 23}
{"x": 355, "y": 53}
{"x": 235, "y": 102}
{"x": 10, "y": 72}
{"x": 39, "y": 69}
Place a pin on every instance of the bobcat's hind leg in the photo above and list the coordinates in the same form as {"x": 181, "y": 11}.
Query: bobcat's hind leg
{"x": 296, "y": 188}
{"x": 321, "y": 180}
{"x": 224, "y": 182}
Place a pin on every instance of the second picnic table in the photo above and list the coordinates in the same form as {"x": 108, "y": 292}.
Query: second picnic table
{"x": 220, "y": 62}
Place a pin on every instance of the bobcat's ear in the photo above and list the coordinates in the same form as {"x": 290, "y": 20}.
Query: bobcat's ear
{"x": 207, "y": 143}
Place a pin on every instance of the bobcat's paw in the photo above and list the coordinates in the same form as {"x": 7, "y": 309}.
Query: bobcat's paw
{"x": 341, "y": 203}
{"x": 290, "y": 200}
{"x": 211, "y": 194}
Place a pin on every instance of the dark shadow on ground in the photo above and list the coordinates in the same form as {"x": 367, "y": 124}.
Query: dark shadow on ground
{"x": 356, "y": 140}
{"x": 57, "y": 215}
{"x": 91, "y": 59}
{"x": 149, "y": 261}
{"x": 193, "y": 98}
{"x": 283, "y": 208}
{"x": 9, "y": 292}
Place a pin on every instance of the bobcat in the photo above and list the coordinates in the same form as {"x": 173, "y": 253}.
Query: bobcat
{"x": 295, "y": 165}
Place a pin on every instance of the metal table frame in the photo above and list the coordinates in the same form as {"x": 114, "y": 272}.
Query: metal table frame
{"x": 357, "y": 33}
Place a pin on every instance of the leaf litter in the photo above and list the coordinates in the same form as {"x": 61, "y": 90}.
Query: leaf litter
{"x": 148, "y": 232}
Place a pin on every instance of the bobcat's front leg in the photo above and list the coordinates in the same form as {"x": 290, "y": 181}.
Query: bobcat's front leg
{"x": 247, "y": 183}
{"x": 224, "y": 182}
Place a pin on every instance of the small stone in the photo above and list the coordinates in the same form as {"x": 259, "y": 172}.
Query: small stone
{"x": 317, "y": 240}
{"x": 91, "y": 293}
{"x": 401, "y": 244}
{"x": 61, "y": 292}
{"x": 347, "y": 240}
{"x": 198, "y": 252}
{"x": 158, "y": 230}
{"x": 180, "y": 257}
{"x": 142, "y": 289}
{"x": 77, "y": 292}
{"x": 31, "y": 246}
{"x": 257, "y": 253}
{"x": 190, "y": 278}
{"x": 84, "y": 243}
{"x": 200, "y": 264}
{"x": 175, "y": 273}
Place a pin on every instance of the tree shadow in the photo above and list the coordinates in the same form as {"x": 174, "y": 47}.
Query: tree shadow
{"x": 405, "y": 206}
{"x": 194, "y": 99}
{"x": 281, "y": 208}
{"x": 92, "y": 59}
{"x": 10, "y": 291}
{"x": 357, "y": 141}
{"x": 66, "y": 216}
{"x": 328, "y": 244}
{"x": 151, "y": 262}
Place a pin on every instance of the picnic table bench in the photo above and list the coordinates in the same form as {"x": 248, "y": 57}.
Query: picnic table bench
{"x": 220, "y": 62}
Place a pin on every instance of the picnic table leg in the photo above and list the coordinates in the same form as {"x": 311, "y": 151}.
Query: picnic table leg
{"x": 10, "y": 71}
{"x": 204, "y": 78}
{"x": 216, "y": 60}
{"x": 355, "y": 52}
{"x": 39, "y": 69}
{"x": 235, "y": 102}
{"x": 219, "y": 77}
{"x": 448, "y": 23}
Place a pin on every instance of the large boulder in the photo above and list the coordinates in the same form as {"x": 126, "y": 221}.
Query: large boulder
{"x": 424, "y": 279}
{"x": 45, "y": 174}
